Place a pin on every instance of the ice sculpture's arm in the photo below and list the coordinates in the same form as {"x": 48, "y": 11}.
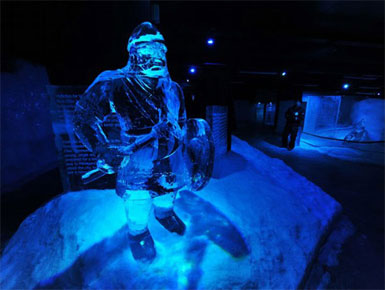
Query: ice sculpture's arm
{"x": 89, "y": 114}
{"x": 175, "y": 122}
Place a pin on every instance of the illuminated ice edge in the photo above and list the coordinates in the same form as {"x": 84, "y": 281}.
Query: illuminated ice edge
{"x": 145, "y": 38}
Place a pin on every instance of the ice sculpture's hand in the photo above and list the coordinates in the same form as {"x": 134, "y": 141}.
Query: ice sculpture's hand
{"x": 162, "y": 128}
{"x": 104, "y": 167}
{"x": 110, "y": 156}
{"x": 129, "y": 149}
{"x": 167, "y": 129}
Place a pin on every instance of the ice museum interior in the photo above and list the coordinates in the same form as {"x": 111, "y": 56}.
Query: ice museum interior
{"x": 192, "y": 145}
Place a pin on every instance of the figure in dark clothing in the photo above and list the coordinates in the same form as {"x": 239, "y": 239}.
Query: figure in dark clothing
{"x": 294, "y": 120}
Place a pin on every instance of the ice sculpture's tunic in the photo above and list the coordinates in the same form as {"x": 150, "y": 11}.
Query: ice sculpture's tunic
{"x": 158, "y": 150}
{"x": 141, "y": 103}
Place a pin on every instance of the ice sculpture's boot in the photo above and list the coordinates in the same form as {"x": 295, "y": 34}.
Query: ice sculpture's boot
{"x": 173, "y": 223}
{"x": 142, "y": 247}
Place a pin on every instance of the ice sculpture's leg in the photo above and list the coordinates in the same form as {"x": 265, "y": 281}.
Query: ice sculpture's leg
{"x": 138, "y": 207}
{"x": 142, "y": 247}
{"x": 164, "y": 213}
{"x": 163, "y": 204}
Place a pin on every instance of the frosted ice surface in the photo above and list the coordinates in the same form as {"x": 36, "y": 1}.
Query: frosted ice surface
{"x": 257, "y": 224}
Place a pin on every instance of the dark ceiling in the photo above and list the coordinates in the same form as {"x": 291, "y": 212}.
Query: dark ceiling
{"x": 319, "y": 43}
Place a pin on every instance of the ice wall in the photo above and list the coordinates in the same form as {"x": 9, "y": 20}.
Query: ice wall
{"x": 27, "y": 142}
{"x": 321, "y": 114}
{"x": 217, "y": 118}
{"x": 336, "y": 117}
{"x": 257, "y": 224}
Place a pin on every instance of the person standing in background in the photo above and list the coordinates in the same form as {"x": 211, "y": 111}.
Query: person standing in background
{"x": 295, "y": 116}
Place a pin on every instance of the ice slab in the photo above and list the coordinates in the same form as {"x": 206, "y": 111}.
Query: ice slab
{"x": 372, "y": 153}
{"x": 257, "y": 224}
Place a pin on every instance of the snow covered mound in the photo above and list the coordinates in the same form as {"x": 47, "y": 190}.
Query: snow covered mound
{"x": 257, "y": 224}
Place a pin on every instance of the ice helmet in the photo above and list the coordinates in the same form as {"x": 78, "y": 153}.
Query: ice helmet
{"x": 144, "y": 32}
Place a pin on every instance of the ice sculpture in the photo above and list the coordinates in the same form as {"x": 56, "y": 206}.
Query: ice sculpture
{"x": 159, "y": 151}
{"x": 359, "y": 132}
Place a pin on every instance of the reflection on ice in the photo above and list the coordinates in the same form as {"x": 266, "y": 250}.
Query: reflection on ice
{"x": 175, "y": 267}
{"x": 208, "y": 221}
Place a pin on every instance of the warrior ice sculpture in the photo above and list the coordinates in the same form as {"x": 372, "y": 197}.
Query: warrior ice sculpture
{"x": 158, "y": 151}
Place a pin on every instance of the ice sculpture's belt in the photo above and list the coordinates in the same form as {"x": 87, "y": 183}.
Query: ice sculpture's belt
{"x": 142, "y": 131}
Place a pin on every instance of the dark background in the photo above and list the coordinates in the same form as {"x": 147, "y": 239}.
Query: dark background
{"x": 320, "y": 44}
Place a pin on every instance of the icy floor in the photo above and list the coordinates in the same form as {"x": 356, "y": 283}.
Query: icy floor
{"x": 256, "y": 225}
{"x": 372, "y": 153}
{"x": 358, "y": 185}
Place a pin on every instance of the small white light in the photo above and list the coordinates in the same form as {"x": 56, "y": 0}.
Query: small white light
{"x": 210, "y": 41}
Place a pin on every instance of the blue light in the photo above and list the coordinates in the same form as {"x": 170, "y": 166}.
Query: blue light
{"x": 192, "y": 70}
{"x": 346, "y": 86}
{"x": 283, "y": 74}
{"x": 210, "y": 42}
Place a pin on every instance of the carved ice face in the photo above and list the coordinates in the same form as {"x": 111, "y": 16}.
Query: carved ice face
{"x": 147, "y": 51}
{"x": 149, "y": 58}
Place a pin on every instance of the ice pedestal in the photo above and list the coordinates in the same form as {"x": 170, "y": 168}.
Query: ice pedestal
{"x": 257, "y": 224}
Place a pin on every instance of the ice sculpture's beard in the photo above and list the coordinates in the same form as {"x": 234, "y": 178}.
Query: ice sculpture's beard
{"x": 149, "y": 70}
{"x": 154, "y": 71}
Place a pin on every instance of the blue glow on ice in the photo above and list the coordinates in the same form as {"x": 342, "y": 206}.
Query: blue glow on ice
{"x": 149, "y": 158}
{"x": 345, "y": 86}
{"x": 210, "y": 42}
{"x": 283, "y": 74}
{"x": 94, "y": 251}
